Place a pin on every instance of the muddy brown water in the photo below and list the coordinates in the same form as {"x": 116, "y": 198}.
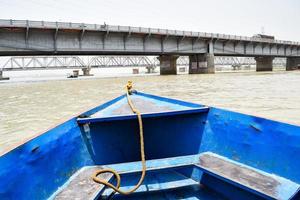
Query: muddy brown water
{"x": 27, "y": 108}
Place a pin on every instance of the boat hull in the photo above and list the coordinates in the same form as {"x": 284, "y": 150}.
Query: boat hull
{"x": 107, "y": 136}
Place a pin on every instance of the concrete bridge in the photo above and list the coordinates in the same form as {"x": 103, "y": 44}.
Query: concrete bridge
{"x": 21, "y": 37}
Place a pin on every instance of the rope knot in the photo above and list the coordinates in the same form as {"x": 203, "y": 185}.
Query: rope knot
{"x": 129, "y": 85}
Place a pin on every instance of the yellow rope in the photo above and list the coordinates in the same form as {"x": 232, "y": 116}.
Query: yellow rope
{"x": 116, "y": 174}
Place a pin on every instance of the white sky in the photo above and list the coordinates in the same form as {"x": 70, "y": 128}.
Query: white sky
{"x": 280, "y": 18}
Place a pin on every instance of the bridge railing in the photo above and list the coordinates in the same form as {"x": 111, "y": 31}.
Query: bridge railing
{"x": 113, "y": 28}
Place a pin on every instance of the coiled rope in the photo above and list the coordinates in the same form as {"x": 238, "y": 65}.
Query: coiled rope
{"x": 115, "y": 173}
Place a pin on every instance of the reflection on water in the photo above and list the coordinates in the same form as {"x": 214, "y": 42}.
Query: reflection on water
{"x": 31, "y": 107}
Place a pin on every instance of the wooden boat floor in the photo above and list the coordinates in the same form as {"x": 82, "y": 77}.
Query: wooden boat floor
{"x": 165, "y": 180}
{"x": 148, "y": 107}
{"x": 266, "y": 184}
{"x": 195, "y": 192}
{"x": 81, "y": 185}
{"x": 144, "y": 105}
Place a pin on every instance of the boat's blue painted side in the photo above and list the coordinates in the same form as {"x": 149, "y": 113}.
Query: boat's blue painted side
{"x": 118, "y": 141}
{"x": 36, "y": 169}
{"x": 267, "y": 145}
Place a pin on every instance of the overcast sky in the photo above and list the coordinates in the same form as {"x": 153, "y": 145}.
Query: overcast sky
{"x": 280, "y": 18}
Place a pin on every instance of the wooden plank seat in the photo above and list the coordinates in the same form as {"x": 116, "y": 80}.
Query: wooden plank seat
{"x": 155, "y": 164}
{"x": 81, "y": 186}
{"x": 164, "y": 180}
{"x": 258, "y": 182}
{"x": 167, "y": 179}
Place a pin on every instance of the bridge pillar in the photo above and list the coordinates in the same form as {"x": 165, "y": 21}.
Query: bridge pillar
{"x": 1, "y": 76}
{"x": 201, "y": 64}
{"x": 292, "y": 64}
{"x": 86, "y": 71}
{"x": 168, "y": 64}
{"x": 264, "y": 64}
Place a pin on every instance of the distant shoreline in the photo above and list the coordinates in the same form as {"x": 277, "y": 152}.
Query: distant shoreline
{"x": 31, "y": 76}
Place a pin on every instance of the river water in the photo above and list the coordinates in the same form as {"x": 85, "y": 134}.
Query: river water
{"x": 30, "y": 107}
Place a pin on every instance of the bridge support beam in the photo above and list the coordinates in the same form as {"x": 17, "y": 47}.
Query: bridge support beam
{"x": 292, "y": 64}
{"x": 264, "y": 64}
{"x": 201, "y": 64}
{"x": 168, "y": 64}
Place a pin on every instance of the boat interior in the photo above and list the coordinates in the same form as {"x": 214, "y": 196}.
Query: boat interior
{"x": 192, "y": 152}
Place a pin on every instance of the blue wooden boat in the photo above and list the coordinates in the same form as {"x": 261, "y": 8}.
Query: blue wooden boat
{"x": 192, "y": 152}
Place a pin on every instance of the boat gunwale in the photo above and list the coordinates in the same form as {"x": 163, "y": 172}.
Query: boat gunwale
{"x": 146, "y": 115}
